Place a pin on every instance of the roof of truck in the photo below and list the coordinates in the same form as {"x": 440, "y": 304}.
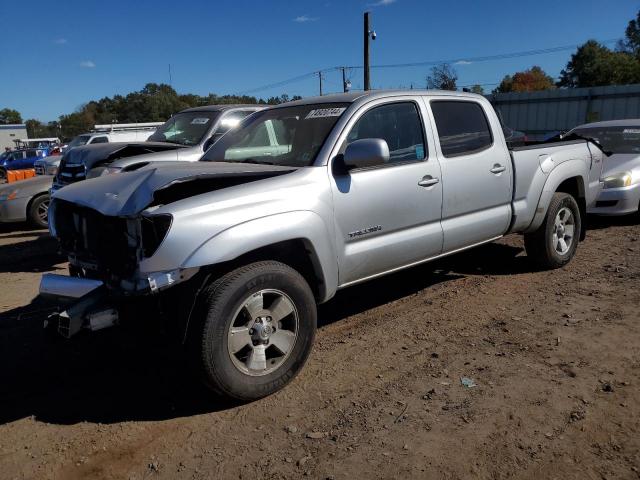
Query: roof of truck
{"x": 351, "y": 97}
{"x": 220, "y": 108}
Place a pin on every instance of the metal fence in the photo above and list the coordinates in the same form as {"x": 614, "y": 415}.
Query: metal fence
{"x": 540, "y": 114}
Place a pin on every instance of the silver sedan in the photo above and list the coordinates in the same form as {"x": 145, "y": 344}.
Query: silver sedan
{"x": 26, "y": 200}
{"x": 621, "y": 170}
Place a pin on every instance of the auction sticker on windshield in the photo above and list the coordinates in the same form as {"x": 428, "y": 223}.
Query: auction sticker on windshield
{"x": 325, "y": 112}
{"x": 199, "y": 121}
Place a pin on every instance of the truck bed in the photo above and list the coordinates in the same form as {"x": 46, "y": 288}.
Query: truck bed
{"x": 532, "y": 165}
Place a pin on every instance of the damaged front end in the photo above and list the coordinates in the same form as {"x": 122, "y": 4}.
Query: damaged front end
{"x": 104, "y": 253}
{"x": 110, "y": 226}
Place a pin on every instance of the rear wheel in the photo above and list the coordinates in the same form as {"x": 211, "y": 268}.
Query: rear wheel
{"x": 555, "y": 242}
{"x": 256, "y": 330}
{"x": 39, "y": 211}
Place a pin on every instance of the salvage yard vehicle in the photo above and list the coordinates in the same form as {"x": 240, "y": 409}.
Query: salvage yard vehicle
{"x": 26, "y": 200}
{"x": 621, "y": 170}
{"x": 21, "y": 159}
{"x": 184, "y": 137}
{"x": 239, "y": 248}
{"x": 108, "y": 133}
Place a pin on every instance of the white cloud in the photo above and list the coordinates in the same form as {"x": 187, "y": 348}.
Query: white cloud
{"x": 87, "y": 64}
{"x": 463, "y": 62}
{"x": 60, "y": 41}
{"x": 382, "y": 3}
{"x": 304, "y": 19}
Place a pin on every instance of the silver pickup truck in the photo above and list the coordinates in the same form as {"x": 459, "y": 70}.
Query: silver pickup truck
{"x": 238, "y": 249}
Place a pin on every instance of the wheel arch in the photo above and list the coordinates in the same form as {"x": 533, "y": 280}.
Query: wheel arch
{"x": 568, "y": 177}
{"x": 299, "y": 239}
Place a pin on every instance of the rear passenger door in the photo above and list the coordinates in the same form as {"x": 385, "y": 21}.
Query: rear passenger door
{"x": 476, "y": 173}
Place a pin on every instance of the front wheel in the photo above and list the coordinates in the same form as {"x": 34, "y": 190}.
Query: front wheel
{"x": 255, "y": 331}
{"x": 554, "y": 243}
{"x": 39, "y": 211}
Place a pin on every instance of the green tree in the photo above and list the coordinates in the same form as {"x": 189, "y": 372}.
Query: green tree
{"x": 155, "y": 102}
{"x": 477, "y": 89}
{"x": 10, "y": 116}
{"x": 631, "y": 42}
{"x": 442, "y": 77}
{"x": 531, "y": 80}
{"x": 595, "y": 65}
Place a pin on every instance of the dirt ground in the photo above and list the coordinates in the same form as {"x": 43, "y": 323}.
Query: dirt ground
{"x": 555, "y": 357}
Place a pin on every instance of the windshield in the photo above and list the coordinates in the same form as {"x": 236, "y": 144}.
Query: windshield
{"x": 287, "y": 136}
{"x": 79, "y": 140}
{"x": 187, "y": 128}
{"x": 613, "y": 139}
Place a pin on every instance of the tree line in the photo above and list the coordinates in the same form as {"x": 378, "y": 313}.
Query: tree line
{"x": 154, "y": 103}
{"x": 592, "y": 65}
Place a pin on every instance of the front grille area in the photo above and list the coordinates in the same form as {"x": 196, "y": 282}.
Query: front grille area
{"x": 71, "y": 173}
{"x": 606, "y": 203}
{"x": 99, "y": 243}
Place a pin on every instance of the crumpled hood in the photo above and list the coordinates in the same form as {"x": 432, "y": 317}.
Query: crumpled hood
{"x": 125, "y": 194}
{"x": 91, "y": 155}
{"x": 620, "y": 162}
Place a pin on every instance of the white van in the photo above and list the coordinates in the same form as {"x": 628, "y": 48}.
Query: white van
{"x": 122, "y": 132}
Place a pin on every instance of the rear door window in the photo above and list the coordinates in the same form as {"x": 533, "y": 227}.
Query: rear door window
{"x": 462, "y": 127}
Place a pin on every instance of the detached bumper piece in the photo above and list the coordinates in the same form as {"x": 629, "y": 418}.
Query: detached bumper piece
{"x": 87, "y": 304}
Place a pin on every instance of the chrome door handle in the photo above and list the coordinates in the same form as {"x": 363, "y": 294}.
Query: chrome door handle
{"x": 428, "y": 181}
{"x": 497, "y": 168}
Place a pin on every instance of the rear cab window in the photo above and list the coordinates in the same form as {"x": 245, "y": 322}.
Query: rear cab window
{"x": 462, "y": 125}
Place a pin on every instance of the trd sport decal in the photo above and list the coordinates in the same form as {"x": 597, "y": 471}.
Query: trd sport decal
{"x": 365, "y": 231}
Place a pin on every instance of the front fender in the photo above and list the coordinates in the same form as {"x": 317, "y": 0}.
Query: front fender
{"x": 564, "y": 171}
{"x": 262, "y": 232}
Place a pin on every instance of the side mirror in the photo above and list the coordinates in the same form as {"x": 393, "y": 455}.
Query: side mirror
{"x": 367, "y": 152}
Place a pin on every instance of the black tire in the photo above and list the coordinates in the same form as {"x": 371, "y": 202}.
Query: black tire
{"x": 36, "y": 208}
{"x": 220, "y": 302}
{"x": 540, "y": 244}
{"x": 3, "y": 175}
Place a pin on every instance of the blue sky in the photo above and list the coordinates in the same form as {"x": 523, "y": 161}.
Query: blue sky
{"x": 57, "y": 55}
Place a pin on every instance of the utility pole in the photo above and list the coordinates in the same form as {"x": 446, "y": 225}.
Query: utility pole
{"x": 346, "y": 84}
{"x": 367, "y": 33}
{"x": 320, "y": 78}
{"x": 170, "y": 82}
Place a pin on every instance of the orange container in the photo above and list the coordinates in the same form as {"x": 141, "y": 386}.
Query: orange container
{"x": 17, "y": 175}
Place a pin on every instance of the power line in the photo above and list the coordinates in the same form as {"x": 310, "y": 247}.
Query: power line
{"x": 486, "y": 58}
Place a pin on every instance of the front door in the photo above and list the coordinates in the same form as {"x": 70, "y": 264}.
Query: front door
{"x": 388, "y": 216}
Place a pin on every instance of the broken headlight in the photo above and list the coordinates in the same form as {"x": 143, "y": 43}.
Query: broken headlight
{"x": 154, "y": 229}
